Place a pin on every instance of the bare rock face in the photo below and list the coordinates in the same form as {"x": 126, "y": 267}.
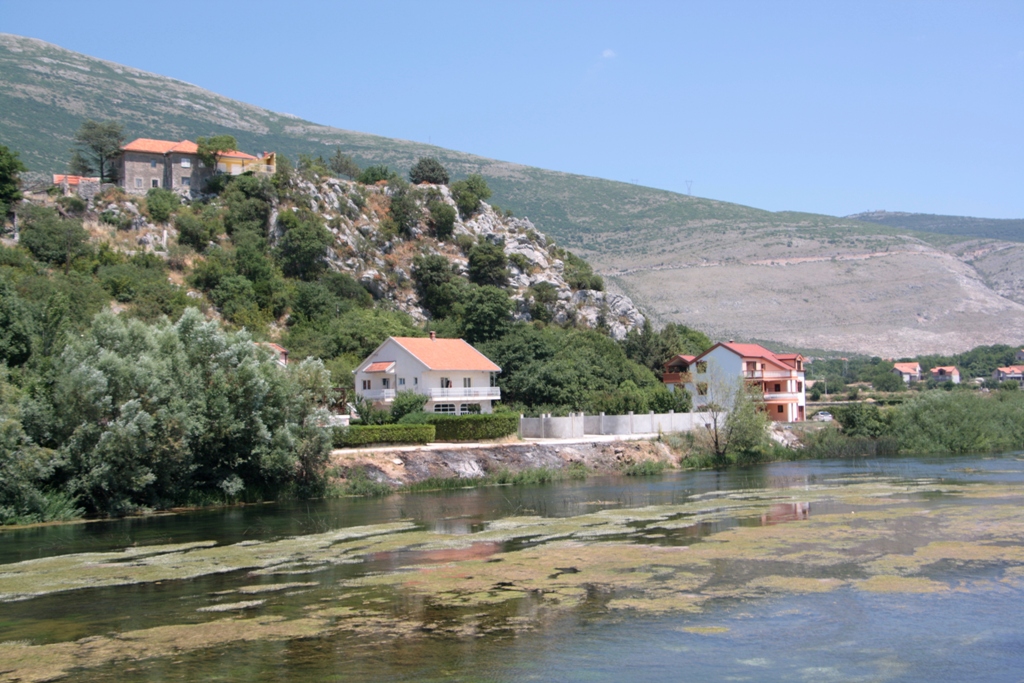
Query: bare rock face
{"x": 380, "y": 260}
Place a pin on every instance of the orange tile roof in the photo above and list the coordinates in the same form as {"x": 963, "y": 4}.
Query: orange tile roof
{"x": 59, "y": 178}
{"x": 945, "y": 369}
{"x": 235, "y": 154}
{"x": 1012, "y": 370}
{"x": 185, "y": 147}
{"x": 275, "y": 347}
{"x": 380, "y": 366}
{"x": 149, "y": 145}
{"x": 754, "y": 351}
{"x": 446, "y": 354}
{"x": 908, "y": 368}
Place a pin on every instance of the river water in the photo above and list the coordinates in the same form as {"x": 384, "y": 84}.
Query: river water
{"x": 874, "y": 570}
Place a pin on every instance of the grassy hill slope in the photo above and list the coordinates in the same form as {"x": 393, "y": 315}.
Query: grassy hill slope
{"x": 1011, "y": 229}
{"x": 802, "y": 279}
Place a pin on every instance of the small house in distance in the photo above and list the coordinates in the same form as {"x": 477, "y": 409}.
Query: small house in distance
{"x": 280, "y": 353}
{"x": 946, "y": 373}
{"x": 1011, "y": 373}
{"x": 145, "y": 163}
{"x": 908, "y": 372}
{"x": 454, "y": 376}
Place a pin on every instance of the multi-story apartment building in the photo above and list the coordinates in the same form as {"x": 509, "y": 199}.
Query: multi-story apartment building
{"x": 780, "y": 376}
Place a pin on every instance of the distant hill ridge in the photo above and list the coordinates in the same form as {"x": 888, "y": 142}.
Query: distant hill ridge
{"x": 1011, "y": 229}
{"x": 805, "y": 280}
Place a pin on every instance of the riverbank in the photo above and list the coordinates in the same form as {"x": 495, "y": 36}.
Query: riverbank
{"x": 399, "y": 466}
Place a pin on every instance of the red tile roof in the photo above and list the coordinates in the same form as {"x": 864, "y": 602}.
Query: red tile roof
{"x": 446, "y": 354}
{"x": 908, "y": 368}
{"x": 945, "y": 370}
{"x": 380, "y": 366}
{"x": 234, "y": 154}
{"x": 59, "y": 178}
{"x": 758, "y": 351}
{"x": 149, "y": 146}
{"x": 1012, "y": 370}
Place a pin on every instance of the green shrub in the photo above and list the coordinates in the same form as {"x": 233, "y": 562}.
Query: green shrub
{"x": 121, "y": 221}
{"x": 468, "y": 427}
{"x": 442, "y": 218}
{"x": 364, "y": 435}
{"x": 469, "y": 193}
{"x": 428, "y": 170}
{"x": 359, "y": 484}
{"x": 372, "y": 175}
{"x": 645, "y": 468}
{"x": 161, "y": 203}
{"x": 406, "y": 402}
{"x": 73, "y": 204}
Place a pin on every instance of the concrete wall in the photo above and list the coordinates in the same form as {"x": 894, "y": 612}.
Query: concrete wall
{"x": 578, "y": 425}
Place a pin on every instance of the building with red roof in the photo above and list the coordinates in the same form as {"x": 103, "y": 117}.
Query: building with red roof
{"x": 946, "y": 373}
{"x": 908, "y": 372}
{"x": 1011, "y": 373}
{"x": 146, "y": 163}
{"x": 779, "y": 376}
{"x": 454, "y": 376}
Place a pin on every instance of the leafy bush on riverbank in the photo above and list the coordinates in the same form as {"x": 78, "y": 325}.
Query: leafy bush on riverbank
{"x": 935, "y": 422}
{"x": 467, "y": 427}
{"x": 365, "y": 435}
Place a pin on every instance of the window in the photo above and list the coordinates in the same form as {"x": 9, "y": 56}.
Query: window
{"x": 186, "y": 162}
{"x": 366, "y": 385}
{"x": 702, "y": 388}
{"x": 386, "y": 383}
{"x": 467, "y": 382}
{"x": 702, "y": 367}
{"x": 799, "y": 386}
{"x": 778, "y": 388}
{"x": 152, "y": 163}
{"x": 186, "y": 181}
{"x": 138, "y": 182}
{"x": 469, "y": 409}
{"x": 779, "y": 409}
{"x": 415, "y": 381}
{"x": 444, "y": 408}
{"x": 446, "y": 383}
{"x": 401, "y": 381}
{"x": 156, "y": 183}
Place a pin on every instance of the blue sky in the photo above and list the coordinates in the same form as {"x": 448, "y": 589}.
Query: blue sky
{"x": 827, "y": 107}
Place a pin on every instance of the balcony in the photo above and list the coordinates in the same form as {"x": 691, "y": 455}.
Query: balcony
{"x": 677, "y": 378}
{"x": 761, "y": 374}
{"x": 786, "y": 397}
{"x": 493, "y": 393}
{"x": 377, "y": 394}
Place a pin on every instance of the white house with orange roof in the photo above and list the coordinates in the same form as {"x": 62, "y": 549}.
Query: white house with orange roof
{"x": 945, "y": 373}
{"x": 908, "y": 372}
{"x": 454, "y": 376}
{"x": 780, "y": 376}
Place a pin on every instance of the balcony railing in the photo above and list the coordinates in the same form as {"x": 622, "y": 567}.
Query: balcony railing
{"x": 761, "y": 374}
{"x": 466, "y": 392}
{"x": 377, "y": 394}
{"x": 677, "y": 378}
{"x": 782, "y": 396}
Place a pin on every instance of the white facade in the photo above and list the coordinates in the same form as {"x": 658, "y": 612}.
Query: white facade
{"x": 783, "y": 386}
{"x": 392, "y": 368}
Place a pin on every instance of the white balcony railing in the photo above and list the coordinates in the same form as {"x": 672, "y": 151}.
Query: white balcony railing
{"x": 782, "y": 396}
{"x": 760, "y": 374}
{"x": 377, "y": 394}
{"x": 466, "y": 392}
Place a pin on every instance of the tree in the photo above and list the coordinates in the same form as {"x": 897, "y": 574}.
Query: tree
{"x": 887, "y": 380}
{"x": 405, "y": 212}
{"x": 51, "y": 238}
{"x": 487, "y": 314}
{"x": 428, "y": 170}
{"x": 10, "y": 167}
{"x": 161, "y": 203}
{"x": 438, "y": 284}
{"x": 343, "y": 164}
{"x": 211, "y": 146}
{"x": 303, "y": 248}
{"x": 488, "y": 264}
{"x": 15, "y": 327}
{"x": 374, "y": 174}
{"x": 469, "y": 193}
{"x": 442, "y": 218}
{"x": 96, "y": 145}
{"x": 734, "y": 421}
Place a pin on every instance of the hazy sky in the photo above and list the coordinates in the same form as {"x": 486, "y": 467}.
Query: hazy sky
{"x": 828, "y": 107}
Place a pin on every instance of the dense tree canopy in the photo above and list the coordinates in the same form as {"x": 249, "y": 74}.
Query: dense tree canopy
{"x": 209, "y": 147}
{"x": 428, "y": 170}
{"x": 96, "y": 145}
{"x": 10, "y": 168}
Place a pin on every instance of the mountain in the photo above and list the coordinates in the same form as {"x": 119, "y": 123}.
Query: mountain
{"x": 805, "y": 280}
{"x": 1010, "y": 229}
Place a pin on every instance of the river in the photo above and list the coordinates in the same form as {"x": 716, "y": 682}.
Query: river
{"x": 908, "y": 569}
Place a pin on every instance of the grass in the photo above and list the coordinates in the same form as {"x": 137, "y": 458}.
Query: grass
{"x": 645, "y": 468}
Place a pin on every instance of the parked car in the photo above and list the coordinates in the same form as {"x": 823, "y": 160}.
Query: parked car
{"x": 823, "y": 416}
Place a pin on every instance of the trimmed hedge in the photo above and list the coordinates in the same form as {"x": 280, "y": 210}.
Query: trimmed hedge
{"x": 365, "y": 435}
{"x": 467, "y": 427}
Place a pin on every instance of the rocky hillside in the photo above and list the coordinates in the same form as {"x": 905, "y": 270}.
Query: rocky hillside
{"x": 382, "y": 261}
{"x": 805, "y": 280}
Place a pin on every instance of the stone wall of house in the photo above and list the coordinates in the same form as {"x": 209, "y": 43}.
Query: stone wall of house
{"x": 138, "y": 170}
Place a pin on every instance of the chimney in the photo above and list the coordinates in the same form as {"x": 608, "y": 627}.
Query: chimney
{"x": 732, "y": 341}
{"x": 433, "y": 336}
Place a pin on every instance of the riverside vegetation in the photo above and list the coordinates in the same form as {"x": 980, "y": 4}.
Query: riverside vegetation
{"x": 131, "y": 376}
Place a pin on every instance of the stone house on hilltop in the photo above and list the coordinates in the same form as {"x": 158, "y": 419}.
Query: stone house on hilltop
{"x": 145, "y": 163}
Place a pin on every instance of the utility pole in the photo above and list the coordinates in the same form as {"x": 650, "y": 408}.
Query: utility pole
{"x": 689, "y": 184}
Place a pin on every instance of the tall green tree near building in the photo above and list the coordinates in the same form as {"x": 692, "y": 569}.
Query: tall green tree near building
{"x": 96, "y": 145}
{"x": 10, "y": 167}
{"x": 209, "y": 147}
